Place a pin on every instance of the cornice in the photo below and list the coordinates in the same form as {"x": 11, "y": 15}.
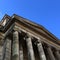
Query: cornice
{"x": 37, "y": 26}
{"x": 34, "y": 26}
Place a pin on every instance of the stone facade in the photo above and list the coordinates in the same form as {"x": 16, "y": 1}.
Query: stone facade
{"x": 21, "y": 39}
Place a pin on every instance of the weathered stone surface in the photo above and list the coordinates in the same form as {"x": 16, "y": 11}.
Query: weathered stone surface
{"x": 50, "y": 53}
{"x": 41, "y": 51}
{"x": 21, "y": 53}
{"x": 15, "y": 48}
{"x": 6, "y": 50}
{"x": 1, "y": 52}
{"x": 57, "y": 54}
{"x": 30, "y": 49}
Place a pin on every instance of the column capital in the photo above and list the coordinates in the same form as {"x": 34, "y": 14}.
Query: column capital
{"x": 38, "y": 41}
{"x": 56, "y": 50}
{"x": 1, "y": 38}
{"x": 48, "y": 46}
{"x": 28, "y": 36}
{"x": 15, "y": 28}
{"x": 1, "y": 35}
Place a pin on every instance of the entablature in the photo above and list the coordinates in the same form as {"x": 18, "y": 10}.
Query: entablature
{"x": 32, "y": 28}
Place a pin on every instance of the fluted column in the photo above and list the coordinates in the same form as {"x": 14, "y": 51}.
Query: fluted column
{"x": 7, "y": 52}
{"x": 41, "y": 51}
{"x": 4, "y": 49}
{"x": 1, "y": 52}
{"x": 21, "y": 52}
{"x": 15, "y": 47}
{"x": 30, "y": 48}
{"x": 1, "y": 45}
{"x": 57, "y": 54}
{"x": 50, "y": 53}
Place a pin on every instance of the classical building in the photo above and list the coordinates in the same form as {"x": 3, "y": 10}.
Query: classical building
{"x": 21, "y": 39}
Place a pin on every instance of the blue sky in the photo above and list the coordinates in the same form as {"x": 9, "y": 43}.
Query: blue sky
{"x": 44, "y": 12}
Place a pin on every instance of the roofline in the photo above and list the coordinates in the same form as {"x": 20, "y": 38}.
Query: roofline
{"x": 36, "y": 25}
{"x": 5, "y": 16}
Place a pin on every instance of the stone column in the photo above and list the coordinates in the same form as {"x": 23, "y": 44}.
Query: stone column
{"x": 1, "y": 45}
{"x": 41, "y": 51}
{"x": 30, "y": 48}
{"x": 1, "y": 52}
{"x": 15, "y": 47}
{"x": 21, "y": 52}
{"x": 7, "y": 52}
{"x": 50, "y": 53}
{"x": 57, "y": 54}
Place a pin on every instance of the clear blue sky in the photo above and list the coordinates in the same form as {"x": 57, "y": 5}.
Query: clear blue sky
{"x": 44, "y": 12}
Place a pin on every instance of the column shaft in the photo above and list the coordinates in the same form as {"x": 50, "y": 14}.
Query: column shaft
{"x": 41, "y": 51}
{"x": 50, "y": 53}
{"x": 30, "y": 49}
{"x": 4, "y": 49}
{"x": 1, "y": 52}
{"x": 7, "y": 50}
{"x": 21, "y": 52}
{"x": 1, "y": 47}
{"x": 57, "y": 55}
{"x": 15, "y": 47}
